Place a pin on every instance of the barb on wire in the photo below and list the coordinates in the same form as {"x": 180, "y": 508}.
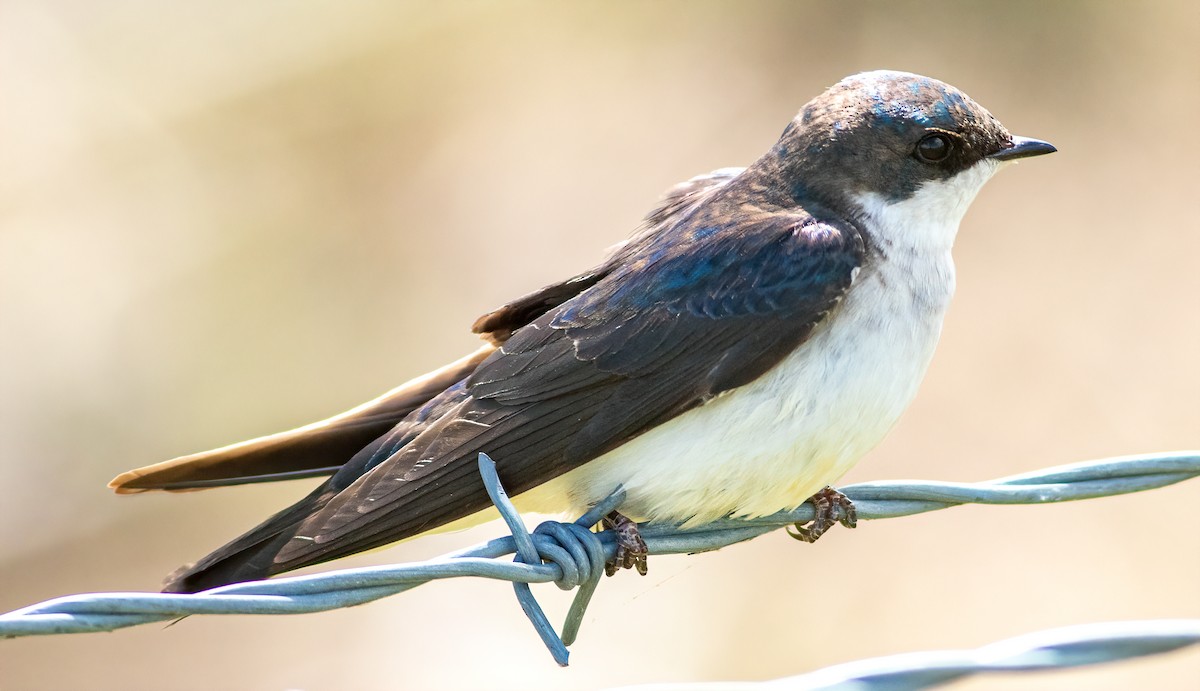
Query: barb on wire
{"x": 1072, "y": 646}
{"x": 571, "y": 556}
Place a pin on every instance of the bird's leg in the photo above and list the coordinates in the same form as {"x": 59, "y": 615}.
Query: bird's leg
{"x": 631, "y": 548}
{"x": 831, "y": 506}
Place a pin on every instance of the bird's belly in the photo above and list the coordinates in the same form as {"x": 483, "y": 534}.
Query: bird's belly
{"x": 769, "y": 445}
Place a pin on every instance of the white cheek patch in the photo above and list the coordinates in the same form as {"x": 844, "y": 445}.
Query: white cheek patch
{"x": 928, "y": 220}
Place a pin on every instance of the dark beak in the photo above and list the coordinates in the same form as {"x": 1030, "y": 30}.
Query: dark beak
{"x": 1022, "y": 147}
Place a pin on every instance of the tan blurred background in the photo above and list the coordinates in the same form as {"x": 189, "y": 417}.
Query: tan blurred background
{"x": 222, "y": 219}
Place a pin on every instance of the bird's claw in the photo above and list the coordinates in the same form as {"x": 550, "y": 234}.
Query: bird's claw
{"x": 631, "y": 548}
{"x": 830, "y": 506}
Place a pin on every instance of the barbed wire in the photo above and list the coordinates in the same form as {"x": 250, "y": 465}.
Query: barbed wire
{"x": 1072, "y": 646}
{"x": 571, "y": 556}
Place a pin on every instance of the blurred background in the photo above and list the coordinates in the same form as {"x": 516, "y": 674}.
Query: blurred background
{"x": 220, "y": 220}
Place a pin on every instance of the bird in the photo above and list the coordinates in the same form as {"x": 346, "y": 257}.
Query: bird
{"x": 759, "y": 332}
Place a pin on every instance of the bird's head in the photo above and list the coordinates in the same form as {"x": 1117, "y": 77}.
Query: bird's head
{"x": 878, "y": 139}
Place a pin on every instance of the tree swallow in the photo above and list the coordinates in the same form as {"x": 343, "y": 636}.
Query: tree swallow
{"x": 763, "y": 329}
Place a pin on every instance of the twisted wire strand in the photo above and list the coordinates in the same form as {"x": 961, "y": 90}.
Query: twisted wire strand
{"x": 571, "y": 556}
{"x": 1072, "y": 646}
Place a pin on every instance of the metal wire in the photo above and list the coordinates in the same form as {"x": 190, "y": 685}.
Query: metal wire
{"x": 572, "y": 556}
{"x": 1073, "y": 646}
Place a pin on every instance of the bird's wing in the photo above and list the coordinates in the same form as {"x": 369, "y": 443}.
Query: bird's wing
{"x": 678, "y": 318}
{"x": 708, "y": 327}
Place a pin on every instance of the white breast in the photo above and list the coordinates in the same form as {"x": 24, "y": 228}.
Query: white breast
{"x": 769, "y": 445}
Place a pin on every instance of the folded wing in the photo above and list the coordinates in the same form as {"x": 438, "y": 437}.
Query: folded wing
{"x": 665, "y": 330}
{"x": 693, "y": 305}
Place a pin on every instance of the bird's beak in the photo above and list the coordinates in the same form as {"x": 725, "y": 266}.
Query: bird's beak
{"x": 1022, "y": 147}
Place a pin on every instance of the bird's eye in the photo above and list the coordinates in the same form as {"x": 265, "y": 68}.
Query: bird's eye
{"x": 934, "y": 148}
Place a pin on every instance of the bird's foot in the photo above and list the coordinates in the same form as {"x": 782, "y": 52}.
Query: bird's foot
{"x": 631, "y": 548}
{"x": 831, "y": 506}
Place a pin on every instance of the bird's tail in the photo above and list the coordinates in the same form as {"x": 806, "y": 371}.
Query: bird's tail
{"x": 313, "y": 450}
